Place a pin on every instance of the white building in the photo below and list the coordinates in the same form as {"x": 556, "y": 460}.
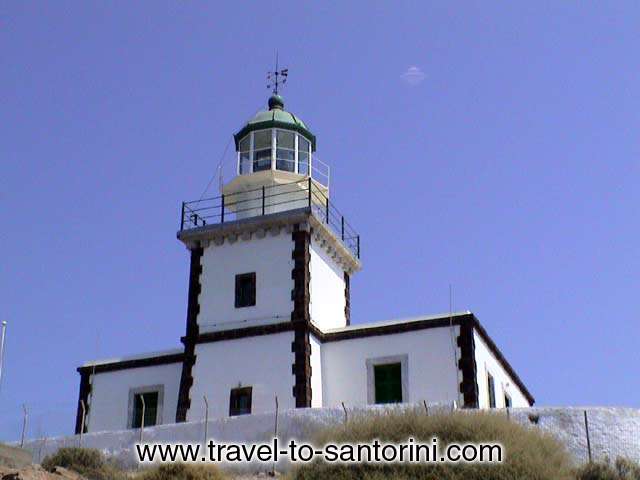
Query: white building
{"x": 268, "y": 311}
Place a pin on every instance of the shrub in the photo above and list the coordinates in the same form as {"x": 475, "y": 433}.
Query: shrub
{"x": 623, "y": 469}
{"x": 86, "y": 461}
{"x": 181, "y": 471}
{"x": 528, "y": 453}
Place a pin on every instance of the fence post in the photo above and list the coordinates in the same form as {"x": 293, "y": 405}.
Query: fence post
{"x": 263, "y": 200}
{"x": 84, "y": 413}
{"x": 346, "y": 415}
{"x": 222, "y": 214}
{"x": 24, "y": 424}
{"x": 275, "y": 435}
{"x": 142, "y": 419}
{"x": 309, "y": 187}
{"x": 326, "y": 211}
{"x": 586, "y": 427}
{"x": 206, "y": 420}
{"x": 426, "y": 408}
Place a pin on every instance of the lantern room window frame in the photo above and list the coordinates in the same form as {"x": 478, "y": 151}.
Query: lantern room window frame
{"x": 246, "y": 159}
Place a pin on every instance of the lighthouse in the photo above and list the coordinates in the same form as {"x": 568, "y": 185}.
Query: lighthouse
{"x": 268, "y": 315}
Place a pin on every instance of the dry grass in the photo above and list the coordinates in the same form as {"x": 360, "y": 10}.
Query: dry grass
{"x": 528, "y": 453}
{"x": 86, "y": 461}
{"x": 181, "y": 471}
{"x": 623, "y": 469}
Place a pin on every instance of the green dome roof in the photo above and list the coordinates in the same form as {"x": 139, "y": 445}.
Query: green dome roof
{"x": 276, "y": 117}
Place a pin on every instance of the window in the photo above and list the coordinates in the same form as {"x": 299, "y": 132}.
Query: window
{"x": 492, "y": 391}
{"x": 388, "y": 383}
{"x": 285, "y": 151}
{"x": 244, "y": 149}
{"x": 262, "y": 150}
{"x": 507, "y": 401}
{"x": 303, "y": 156}
{"x": 240, "y": 401}
{"x": 246, "y": 290}
{"x": 150, "y": 409}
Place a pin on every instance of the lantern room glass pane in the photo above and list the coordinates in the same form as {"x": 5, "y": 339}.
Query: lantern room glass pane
{"x": 285, "y": 139}
{"x": 245, "y": 144}
{"x": 303, "y": 156}
{"x": 262, "y": 160}
{"x": 262, "y": 139}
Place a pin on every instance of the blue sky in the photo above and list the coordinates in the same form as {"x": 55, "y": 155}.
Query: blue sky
{"x": 510, "y": 172}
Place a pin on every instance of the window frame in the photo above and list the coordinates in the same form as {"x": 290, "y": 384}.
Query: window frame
{"x": 370, "y": 365}
{"x": 491, "y": 390}
{"x": 133, "y": 392}
{"x": 234, "y": 411}
{"x": 241, "y": 277}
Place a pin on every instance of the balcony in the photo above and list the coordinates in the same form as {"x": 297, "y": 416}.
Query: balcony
{"x": 307, "y": 194}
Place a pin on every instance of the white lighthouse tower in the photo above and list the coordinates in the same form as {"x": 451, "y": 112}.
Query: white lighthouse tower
{"x": 268, "y": 313}
{"x": 271, "y": 260}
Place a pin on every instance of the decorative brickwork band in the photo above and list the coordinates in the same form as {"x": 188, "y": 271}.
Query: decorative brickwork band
{"x": 300, "y": 318}
{"x": 347, "y": 298}
{"x": 467, "y": 363}
{"x": 85, "y": 390}
{"x": 191, "y": 337}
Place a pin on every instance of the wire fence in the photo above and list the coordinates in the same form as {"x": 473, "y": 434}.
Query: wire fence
{"x": 593, "y": 434}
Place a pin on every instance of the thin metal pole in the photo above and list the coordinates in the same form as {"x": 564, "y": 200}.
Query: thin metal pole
{"x": 426, "y": 408}
{"x": 326, "y": 213}
{"x": 84, "y": 412}
{"x": 24, "y": 424}
{"x": 358, "y": 246}
{"x": 263, "y": 200}
{"x": 586, "y": 427}
{"x": 342, "y": 221}
{"x": 346, "y": 415}
{"x": 275, "y": 435}
{"x": 206, "y": 420}
{"x": 309, "y": 192}
{"x": 222, "y": 214}
{"x": 4, "y": 334}
{"x": 142, "y": 419}
{"x": 182, "y": 217}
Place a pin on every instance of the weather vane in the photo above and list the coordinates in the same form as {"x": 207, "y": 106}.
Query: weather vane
{"x": 276, "y": 78}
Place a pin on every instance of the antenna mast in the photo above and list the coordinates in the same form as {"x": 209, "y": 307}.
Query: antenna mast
{"x": 277, "y": 77}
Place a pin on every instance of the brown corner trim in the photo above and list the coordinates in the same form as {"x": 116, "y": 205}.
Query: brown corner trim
{"x": 467, "y": 363}
{"x": 190, "y": 339}
{"x": 85, "y": 389}
{"x": 133, "y": 363}
{"x": 300, "y": 317}
{"x": 236, "y": 333}
{"x": 347, "y": 298}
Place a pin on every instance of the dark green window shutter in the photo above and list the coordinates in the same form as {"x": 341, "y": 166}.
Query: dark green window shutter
{"x": 388, "y": 383}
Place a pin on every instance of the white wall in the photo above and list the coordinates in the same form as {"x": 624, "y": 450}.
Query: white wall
{"x": 327, "y": 286}
{"x": 262, "y": 362}
{"x": 431, "y": 367}
{"x": 109, "y": 401}
{"x": 270, "y": 258}
{"x": 487, "y": 363}
{"x": 316, "y": 372}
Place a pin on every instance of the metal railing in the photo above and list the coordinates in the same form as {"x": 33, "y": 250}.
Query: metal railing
{"x": 267, "y": 200}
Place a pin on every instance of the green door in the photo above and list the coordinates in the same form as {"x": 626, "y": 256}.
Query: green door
{"x": 388, "y": 381}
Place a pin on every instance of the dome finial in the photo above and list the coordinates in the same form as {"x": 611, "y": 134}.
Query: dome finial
{"x": 276, "y": 101}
